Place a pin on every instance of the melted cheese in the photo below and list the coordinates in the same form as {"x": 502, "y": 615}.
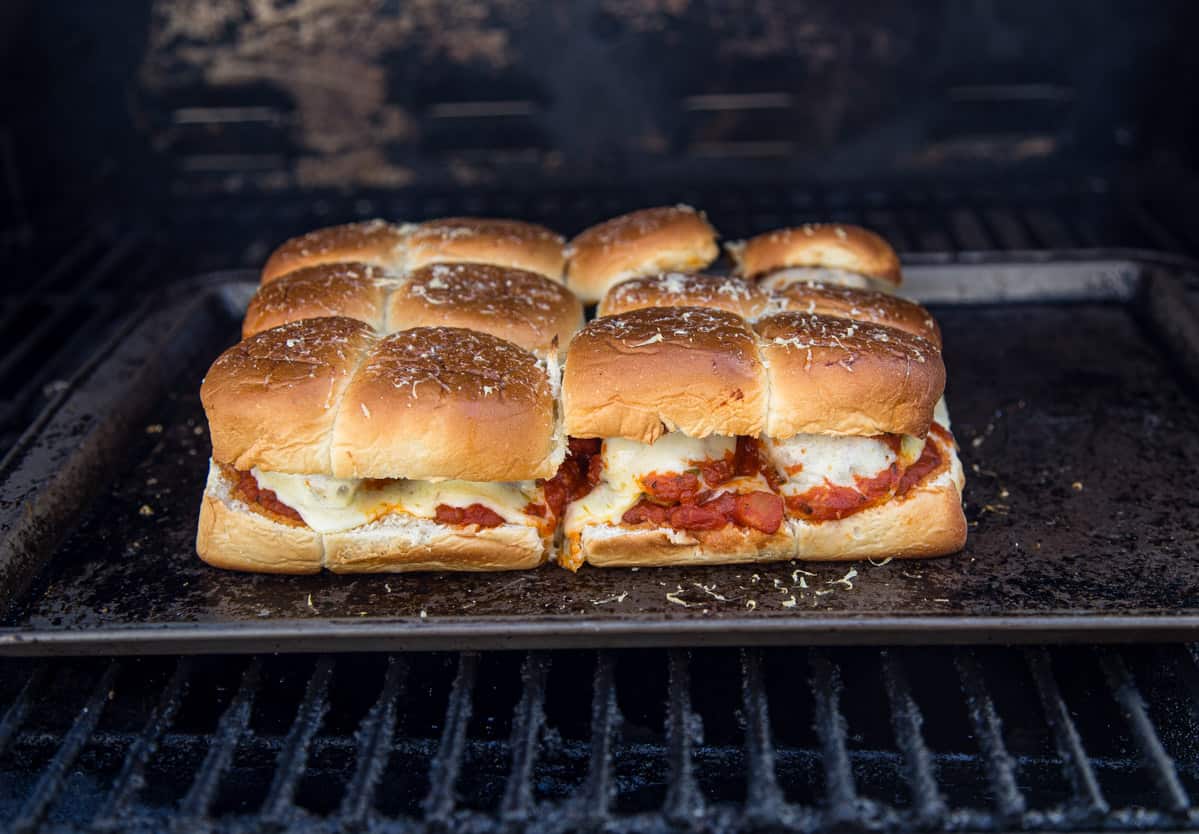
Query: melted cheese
{"x": 941, "y": 414}
{"x": 329, "y": 505}
{"x": 813, "y": 459}
{"x": 627, "y": 461}
{"x": 814, "y": 274}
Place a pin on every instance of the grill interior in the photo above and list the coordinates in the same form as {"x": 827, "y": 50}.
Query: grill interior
{"x": 970, "y": 739}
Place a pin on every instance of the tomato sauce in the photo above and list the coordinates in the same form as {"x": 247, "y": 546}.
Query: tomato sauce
{"x": 758, "y": 510}
{"x": 472, "y": 514}
{"x": 246, "y": 489}
{"x": 577, "y": 476}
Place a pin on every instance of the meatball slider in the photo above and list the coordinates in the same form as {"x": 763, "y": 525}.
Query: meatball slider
{"x": 831, "y": 253}
{"x": 336, "y": 447}
{"x": 800, "y": 436}
{"x": 645, "y": 242}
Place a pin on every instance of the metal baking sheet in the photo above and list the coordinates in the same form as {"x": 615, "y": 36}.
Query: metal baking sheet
{"x": 1072, "y": 386}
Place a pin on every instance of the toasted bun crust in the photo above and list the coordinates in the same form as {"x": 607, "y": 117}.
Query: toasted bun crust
{"x": 328, "y": 396}
{"x": 354, "y": 290}
{"x": 832, "y": 245}
{"x": 273, "y": 399}
{"x": 511, "y": 243}
{"x": 525, "y": 308}
{"x": 679, "y": 289}
{"x": 403, "y": 545}
{"x": 928, "y": 521}
{"x": 836, "y": 376}
{"x": 374, "y": 242}
{"x": 649, "y": 371}
{"x": 610, "y": 545}
{"x": 232, "y": 536}
{"x": 643, "y": 242}
{"x": 442, "y": 402}
{"x": 859, "y": 305}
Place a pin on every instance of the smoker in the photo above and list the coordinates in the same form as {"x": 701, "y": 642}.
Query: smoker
{"x": 1036, "y": 166}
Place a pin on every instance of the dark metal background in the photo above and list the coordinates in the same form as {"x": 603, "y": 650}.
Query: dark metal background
{"x": 1069, "y": 396}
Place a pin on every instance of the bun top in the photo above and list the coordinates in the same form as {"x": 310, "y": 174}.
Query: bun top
{"x": 528, "y": 309}
{"x": 510, "y": 243}
{"x": 657, "y": 369}
{"x": 330, "y": 397}
{"x": 704, "y": 371}
{"x": 830, "y": 246}
{"x": 859, "y": 305}
{"x": 644, "y": 242}
{"x": 374, "y": 242}
{"x": 354, "y": 290}
{"x": 837, "y": 376}
{"x": 678, "y": 289}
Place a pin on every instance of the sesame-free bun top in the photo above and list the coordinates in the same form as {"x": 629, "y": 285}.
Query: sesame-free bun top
{"x": 374, "y": 242}
{"x": 645, "y": 372}
{"x": 836, "y": 376}
{"x": 511, "y": 243}
{"x": 525, "y": 308}
{"x": 663, "y": 239}
{"x": 354, "y": 290}
{"x": 833, "y": 246}
{"x": 680, "y": 289}
{"x": 859, "y": 305}
{"x": 331, "y": 397}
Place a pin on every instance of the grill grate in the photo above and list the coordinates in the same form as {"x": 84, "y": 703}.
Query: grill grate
{"x": 126, "y": 759}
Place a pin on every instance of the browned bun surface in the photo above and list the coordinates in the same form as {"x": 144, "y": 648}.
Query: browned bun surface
{"x": 353, "y": 290}
{"x": 374, "y": 242}
{"x": 830, "y": 245}
{"x": 234, "y": 538}
{"x": 678, "y": 289}
{"x": 645, "y": 546}
{"x": 525, "y": 308}
{"x": 859, "y": 305}
{"x": 511, "y": 243}
{"x": 927, "y": 521}
{"x": 272, "y": 399}
{"x": 837, "y": 376}
{"x": 648, "y": 371}
{"x": 663, "y": 239}
{"x": 397, "y": 546}
{"x": 443, "y": 402}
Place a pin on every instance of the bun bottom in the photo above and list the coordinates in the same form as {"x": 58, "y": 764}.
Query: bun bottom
{"x": 233, "y": 537}
{"x": 606, "y": 545}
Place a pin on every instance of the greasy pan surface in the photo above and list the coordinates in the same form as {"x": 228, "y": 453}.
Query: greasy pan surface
{"x": 1078, "y": 431}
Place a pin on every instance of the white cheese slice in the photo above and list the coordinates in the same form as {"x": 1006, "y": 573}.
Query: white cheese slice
{"x": 329, "y": 506}
{"x": 627, "y": 461}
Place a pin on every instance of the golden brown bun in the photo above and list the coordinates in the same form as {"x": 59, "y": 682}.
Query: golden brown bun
{"x": 837, "y": 376}
{"x": 354, "y": 290}
{"x": 859, "y": 305}
{"x": 678, "y": 289}
{"x": 510, "y": 243}
{"x": 328, "y": 396}
{"x": 610, "y": 545}
{"x": 831, "y": 245}
{"x": 395, "y": 546}
{"x": 651, "y": 240}
{"x": 649, "y": 371}
{"x": 233, "y": 537}
{"x": 374, "y": 242}
{"x": 272, "y": 400}
{"x": 442, "y": 402}
{"x": 525, "y": 308}
{"x": 928, "y": 521}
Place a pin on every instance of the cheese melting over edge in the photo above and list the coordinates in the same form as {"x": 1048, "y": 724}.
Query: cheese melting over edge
{"x": 330, "y": 505}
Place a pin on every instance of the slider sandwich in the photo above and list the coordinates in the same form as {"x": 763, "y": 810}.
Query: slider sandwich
{"x": 398, "y": 248}
{"x": 826, "y": 253}
{"x": 705, "y": 438}
{"x": 336, "y": 447}
{"x": 752, "y": 301}
{"x": 640, "y": 243}
{"x": 526, "y": 308}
